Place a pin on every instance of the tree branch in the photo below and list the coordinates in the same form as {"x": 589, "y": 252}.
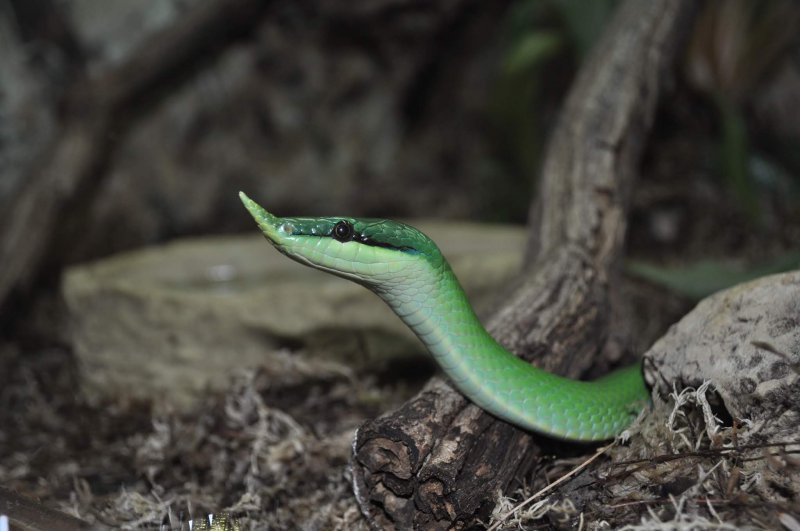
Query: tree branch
{"x": 438, "y": 459}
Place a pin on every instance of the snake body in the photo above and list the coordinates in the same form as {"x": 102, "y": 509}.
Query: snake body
{"x": 406, "y": 269}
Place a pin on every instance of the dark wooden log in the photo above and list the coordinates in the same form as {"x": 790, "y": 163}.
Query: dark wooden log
{"x": 439, "y": 461}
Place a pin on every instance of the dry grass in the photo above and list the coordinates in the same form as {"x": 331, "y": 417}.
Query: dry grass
{"x": 682, "y": 469}
{"x": 272, "y": 451}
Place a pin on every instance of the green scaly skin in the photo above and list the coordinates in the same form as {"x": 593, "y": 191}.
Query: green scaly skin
{"x": 406, "y": 269}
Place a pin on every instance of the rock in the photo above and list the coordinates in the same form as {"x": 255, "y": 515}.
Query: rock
{"x": 746, "y": 341}
{"x": 173, "y": 321}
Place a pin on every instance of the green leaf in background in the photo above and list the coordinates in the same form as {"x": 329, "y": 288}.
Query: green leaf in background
{"x": 735, "y": 153}
{"x": 531, "y": 50}
{"x": 701, "y": 279}
{"x": 735, "y": 46}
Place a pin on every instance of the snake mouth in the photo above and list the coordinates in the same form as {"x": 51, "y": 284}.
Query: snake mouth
{"x": 272, "y": 226}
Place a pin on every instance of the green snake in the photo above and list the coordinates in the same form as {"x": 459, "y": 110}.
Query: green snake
{"x": 406, "y": 269}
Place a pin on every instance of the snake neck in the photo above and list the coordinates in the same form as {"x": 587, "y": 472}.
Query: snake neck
{"x": 434, "y": 306}
{"x": 429, "y": 299}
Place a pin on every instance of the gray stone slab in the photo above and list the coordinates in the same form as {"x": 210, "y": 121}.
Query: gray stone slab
{"x": 175, "y": 320}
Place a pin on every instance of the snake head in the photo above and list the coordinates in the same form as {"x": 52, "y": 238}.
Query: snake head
{"x": 375, "y": 252}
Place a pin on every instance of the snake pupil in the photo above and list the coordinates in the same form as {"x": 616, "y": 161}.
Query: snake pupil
{"x": 343, "y": 231}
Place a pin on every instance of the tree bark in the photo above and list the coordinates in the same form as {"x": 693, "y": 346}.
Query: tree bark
{"x": 315, "y": 60}
{"x": 59, "y": 189}
{"x": 439, "y": 461}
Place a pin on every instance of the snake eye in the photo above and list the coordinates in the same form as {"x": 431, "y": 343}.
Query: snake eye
{"x": 343, "y": 231}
